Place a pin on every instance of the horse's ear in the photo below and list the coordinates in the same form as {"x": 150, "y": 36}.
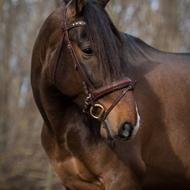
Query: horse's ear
{"x": 74, "y": 7}
{"x": 103, "y": 3}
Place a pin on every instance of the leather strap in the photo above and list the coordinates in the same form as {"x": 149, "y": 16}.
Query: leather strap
{"x": 115, "y": 86}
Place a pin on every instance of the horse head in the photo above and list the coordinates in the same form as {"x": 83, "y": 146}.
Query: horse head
{"x": 91, "y": 68}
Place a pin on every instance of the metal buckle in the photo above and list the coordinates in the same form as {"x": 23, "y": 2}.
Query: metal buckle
{"x": 97, "y": 111}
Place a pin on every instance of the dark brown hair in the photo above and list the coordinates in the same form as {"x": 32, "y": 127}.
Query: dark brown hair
{"x": 105, "y": 40}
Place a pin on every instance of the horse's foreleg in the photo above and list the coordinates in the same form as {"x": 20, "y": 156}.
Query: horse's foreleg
{"x": 121, "y": 181}
{"x": 76, "y": 184}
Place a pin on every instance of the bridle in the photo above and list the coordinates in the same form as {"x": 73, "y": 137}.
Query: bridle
{"x": 91, "y": 105}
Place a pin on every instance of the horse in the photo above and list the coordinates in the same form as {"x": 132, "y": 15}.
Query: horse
{"x": 115, "y": 110}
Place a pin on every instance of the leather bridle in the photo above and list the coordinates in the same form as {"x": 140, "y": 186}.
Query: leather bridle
{"x": 91, "y": 104}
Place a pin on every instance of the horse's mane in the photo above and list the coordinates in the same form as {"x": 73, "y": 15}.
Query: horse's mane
{"x": 105, "y": 39}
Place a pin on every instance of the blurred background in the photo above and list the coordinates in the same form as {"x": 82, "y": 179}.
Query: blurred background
{"x": 164, "y": 24}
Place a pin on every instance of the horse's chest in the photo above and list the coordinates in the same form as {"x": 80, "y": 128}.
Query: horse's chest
{"x": 74, "y": 168}
{"x": 80, "y": 169}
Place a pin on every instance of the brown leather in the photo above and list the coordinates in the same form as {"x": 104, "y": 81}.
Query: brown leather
{"x": 115, "y": 86}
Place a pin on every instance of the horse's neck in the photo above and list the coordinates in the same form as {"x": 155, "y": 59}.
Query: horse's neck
{"x": 75, "y": 118}
{"x": 139, "y": 52}
{"x": 143, "y": 58}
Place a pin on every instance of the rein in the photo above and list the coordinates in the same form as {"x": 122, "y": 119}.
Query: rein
{"x": 96, "y": 110}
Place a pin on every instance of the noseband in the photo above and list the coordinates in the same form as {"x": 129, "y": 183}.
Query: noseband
{"x": 96, "y": 110}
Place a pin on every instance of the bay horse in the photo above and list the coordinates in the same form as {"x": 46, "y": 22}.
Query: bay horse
{"x": 101, "y": 131}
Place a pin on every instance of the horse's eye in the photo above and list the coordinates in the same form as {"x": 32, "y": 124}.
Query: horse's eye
{"x": 88, "y": 51}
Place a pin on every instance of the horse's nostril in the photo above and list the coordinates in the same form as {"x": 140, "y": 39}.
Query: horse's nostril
{"x": 126, "y": 131}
